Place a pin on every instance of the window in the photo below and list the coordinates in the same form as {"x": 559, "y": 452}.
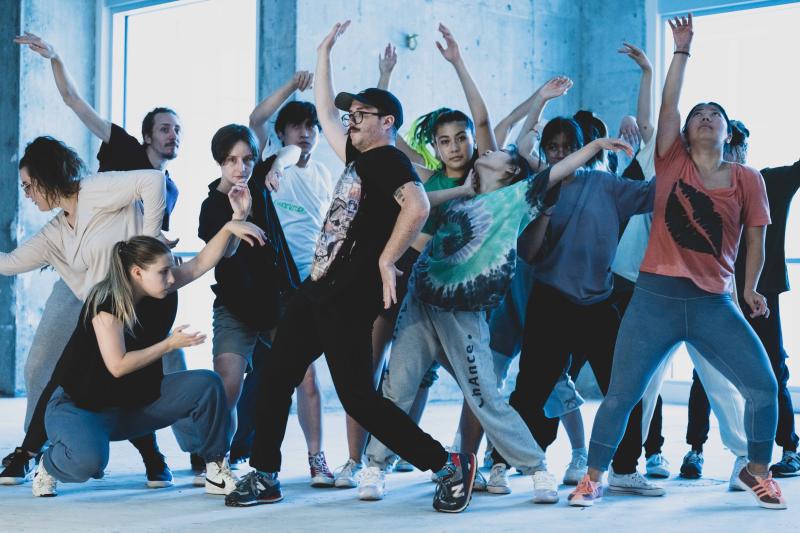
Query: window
{"x": 198, "y": 58}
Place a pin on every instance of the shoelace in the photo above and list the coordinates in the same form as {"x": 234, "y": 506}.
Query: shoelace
{"x": 770, "y": 486}
{"x": 319, "y": 464}
{"x": 584, "y": 488}
{"x": 346, "y": 469}
{"x": 578, "y": 461}
{"x": 368, "y": 476}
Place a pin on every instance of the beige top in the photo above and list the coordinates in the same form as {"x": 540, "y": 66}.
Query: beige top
{"x": 112, "y": 206}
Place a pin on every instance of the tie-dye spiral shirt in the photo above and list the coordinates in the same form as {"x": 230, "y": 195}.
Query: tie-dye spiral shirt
{"x": 469, "y": 262}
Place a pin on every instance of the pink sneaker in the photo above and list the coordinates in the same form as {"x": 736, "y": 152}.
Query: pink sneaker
{"x": 586, "y": 493}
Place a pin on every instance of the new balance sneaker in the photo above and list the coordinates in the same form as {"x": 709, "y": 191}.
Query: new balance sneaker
{"x": 158, "y": 473}
{"x": 545, "y": 488}
{"x": 634, "y": 483}
{"x": 498, "y": 480}
{"x": 198, "y": 470}
{"x": 586, "y": 493}
{"x": 454, "y": 483}
{"x": 19, "y": 466}
{"x": 692, "y": 466}
{"x": 765, "y": 489}
{"x": 577, "y": 467}
{"x": 255, "y": 488}
{"x": 403, "y": 466}
{"x": 346, "y": 475}
{"x": 219, "y": 478}
{"x": 658, "y": 466}
{"x": 44, "y": 485}
{"x": 479, "y": 484}
{"x": 371, "y": 484}
{"x": 738, "y": 465}
{"x": 788, "y": 466}
{"x": 321, "y": 476}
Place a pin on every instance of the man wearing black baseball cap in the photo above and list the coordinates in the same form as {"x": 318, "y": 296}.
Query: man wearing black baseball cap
{"x": 378, "y": 209}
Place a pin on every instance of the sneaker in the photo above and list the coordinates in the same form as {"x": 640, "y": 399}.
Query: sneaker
{"x": 403, "y": 466}
{"x": 345, "y": 476}
{"x": 498, "y": 480}
{"x": 658, "y": 466}
{"x": 586, "y": 493}
{"x": 788, "y": 466}
{"x": 479, "y": 484}
{"x": 321, "y": 476}
{"x": 371, "y": 484}
{"x": 488, "y": 461}
{"x": 158, "y": 473}
{"x": 577, "y": 467}
{"x": 255, "y": 488}
{"x": 18, "y": 469}
{"x": 634, "y": 483}
{"x": 545, "y": 488}
{"x": 765, "y": 489}
{"x": 198, "y": 470}
{"x": 454, "y": 483}
{"x": 219, "y": 478}
{"x": 44, "y": 485}
{"x": 237, "y": 462}
{"x": 692, "y": 466}
{"x": 733, "y": 484}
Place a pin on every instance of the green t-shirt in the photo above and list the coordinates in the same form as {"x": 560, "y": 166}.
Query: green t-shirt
{"x": 437, "y": 182}
{"x": 469, "y": 262}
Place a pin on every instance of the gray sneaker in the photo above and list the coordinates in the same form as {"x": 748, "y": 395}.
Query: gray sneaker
{"x": 545, "y": 488}
{"x": 345, "y": 475}
{"x": 498, "y": 480}
{"x": 634, "y": 483}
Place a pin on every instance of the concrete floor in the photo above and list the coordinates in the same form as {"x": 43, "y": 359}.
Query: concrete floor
{"x": 120, "y": 501}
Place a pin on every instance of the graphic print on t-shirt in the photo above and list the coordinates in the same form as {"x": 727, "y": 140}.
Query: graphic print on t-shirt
{"x": 700, "y": 230}
{"x": 346, "y": 199}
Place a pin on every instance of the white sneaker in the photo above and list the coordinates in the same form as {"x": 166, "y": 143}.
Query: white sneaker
{"x": 545, "y": 488}
{"x": 634, "y": 483}
{"x": 345, "y": 475}
{"x": 219, "y": 478}
{"x": 43, "y": 483}
{"x": 498, "y": 480}
{"x": 657, "y": 466}
{"x": 577, "y": 467}
{"x": 733, "y": 484}
{"x": 371, "y": 484}
{"x": 479, "y": 483}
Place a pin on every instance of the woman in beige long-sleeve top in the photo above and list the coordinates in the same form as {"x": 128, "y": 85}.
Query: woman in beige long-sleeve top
{"x": 95, "y": 211}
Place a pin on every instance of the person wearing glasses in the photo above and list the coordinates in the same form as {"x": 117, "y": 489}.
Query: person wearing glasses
{"x": 378, "y": 209}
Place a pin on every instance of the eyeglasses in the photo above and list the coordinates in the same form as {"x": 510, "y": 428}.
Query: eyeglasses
{"x": 357, "y": 117}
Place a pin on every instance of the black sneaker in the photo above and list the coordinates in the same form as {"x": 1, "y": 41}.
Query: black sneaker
{"x": 454, "y": 489}
{"x": 158, "y": 473}
{"x": 692, "y": 467}
{"x": 18, "y": 468}
{"x": 788, "y": 466}
{"x": 255, "y": 488}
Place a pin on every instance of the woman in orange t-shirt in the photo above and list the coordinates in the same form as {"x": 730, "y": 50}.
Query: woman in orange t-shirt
{"x": 684, "y": 291}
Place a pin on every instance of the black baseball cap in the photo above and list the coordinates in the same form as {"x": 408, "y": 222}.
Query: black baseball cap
{"x": 385, "y": 101}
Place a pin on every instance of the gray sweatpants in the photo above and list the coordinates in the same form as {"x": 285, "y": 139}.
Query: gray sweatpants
{"x": 59, "y": 318}
{"x": 424, "y": 333}
{"x": 192, "y": 401}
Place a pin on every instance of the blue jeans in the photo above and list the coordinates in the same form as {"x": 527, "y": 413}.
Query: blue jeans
{"x": 663, "y": 312}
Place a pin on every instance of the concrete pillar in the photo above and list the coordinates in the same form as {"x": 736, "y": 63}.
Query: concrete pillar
{"x": 277, "y": 44}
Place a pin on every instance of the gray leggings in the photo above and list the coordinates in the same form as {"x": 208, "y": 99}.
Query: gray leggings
{"x": 663, "y": 312}
{"x": 193, "y": 400}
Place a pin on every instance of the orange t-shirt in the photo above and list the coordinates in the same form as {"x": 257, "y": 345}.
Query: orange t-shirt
{"x": 696, "y": 230}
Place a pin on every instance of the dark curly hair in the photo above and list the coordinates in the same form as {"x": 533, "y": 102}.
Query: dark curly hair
{"x": 55, "y": 168}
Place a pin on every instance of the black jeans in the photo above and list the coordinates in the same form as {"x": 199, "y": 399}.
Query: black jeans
{"x": 344, "y": 333}
{"x": 771, "y": 334}
{"x": 555, "y": 330}
{"x": 655, "y": 440}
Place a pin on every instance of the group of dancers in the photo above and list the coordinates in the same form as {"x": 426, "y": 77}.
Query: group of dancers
{"x": 450, "y": 248}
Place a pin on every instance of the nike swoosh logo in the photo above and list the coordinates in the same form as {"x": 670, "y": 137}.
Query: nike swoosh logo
{"x": 219, "y": 485}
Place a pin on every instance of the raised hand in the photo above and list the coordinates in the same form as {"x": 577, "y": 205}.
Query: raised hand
{"x": 303, "y": 80}
{"x": 555, "y": 87}
{"x": 452, "y": 52}
{"x": 37, "y": 44}
{"x": 240, "y": 199}
{"x": 248, "y": 232}
{"x": 682, "y": 32}
{"x": 614, "y": 145}
{"x": 637, "y": 54}
{"x": 179, "y": 338}
{"x": 629, "y": 131}
{"x": 273, "y": 180}
{"x": 338, "y": 29}
{"x": 471, "y": 185}
{"x": 388, "y": 60}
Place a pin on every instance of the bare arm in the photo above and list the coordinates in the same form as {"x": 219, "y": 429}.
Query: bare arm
{"x": 466, "y": 189}
{"x": 328, "y": 116}
{"x": 259, "y": 117}
{"x": 554, "y": 88}
{"x": 669, "y": 118}
{"x": 414, "y": 209}
{"x": 754, "y": 262}
{"x": 577, "y": 159}
{"x": 110, "y": 335}
{"x": 504, "y": 127}
{"x": 644, "y": 104}
{"x": 484, "y": 135}
{"x": 67, "y": 88}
